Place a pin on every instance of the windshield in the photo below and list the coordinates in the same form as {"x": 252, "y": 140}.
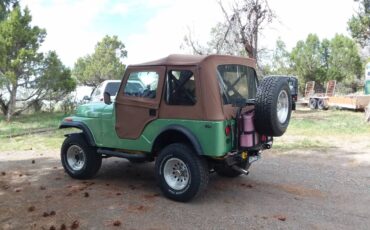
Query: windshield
{"x": 112, "y": 88}
{"x": 237, "y": 82}
{"x": 96, "y": 92}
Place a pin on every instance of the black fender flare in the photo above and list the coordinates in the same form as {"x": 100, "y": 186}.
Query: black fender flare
{"x": 186, "y": 132}
{"x": 79, "y": 125}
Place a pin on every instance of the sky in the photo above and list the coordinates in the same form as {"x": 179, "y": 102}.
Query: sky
{"x": 152, "y": 29}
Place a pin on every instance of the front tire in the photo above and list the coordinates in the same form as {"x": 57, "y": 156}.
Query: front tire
{"x": 79, "y": 160}
{"x": 181, "y": 174}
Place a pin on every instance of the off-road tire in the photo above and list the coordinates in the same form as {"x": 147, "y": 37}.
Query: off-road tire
{"x": 266, "y": 116}
{"x": 195, "y": 165}
{"x": 226, "y": 171}
{"x": 92, "y": 160}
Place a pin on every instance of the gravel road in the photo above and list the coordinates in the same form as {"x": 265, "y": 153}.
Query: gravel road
{"x": 306, "y": 189}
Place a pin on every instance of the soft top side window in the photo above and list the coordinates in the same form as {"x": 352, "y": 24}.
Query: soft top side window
{"x": 180, "y": 88}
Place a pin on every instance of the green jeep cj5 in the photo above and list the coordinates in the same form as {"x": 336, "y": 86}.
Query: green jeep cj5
{"x": 192, "y": 115}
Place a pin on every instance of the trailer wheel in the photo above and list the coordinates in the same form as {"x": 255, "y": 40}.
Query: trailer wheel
{"x": 321, "y": 104}
{"x": 313, "y": 103}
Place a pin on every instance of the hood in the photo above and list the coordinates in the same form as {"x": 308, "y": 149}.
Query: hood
{"x": 90, "y": 110}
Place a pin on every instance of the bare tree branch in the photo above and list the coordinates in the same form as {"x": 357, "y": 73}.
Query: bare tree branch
{"x": 193, "y": 44}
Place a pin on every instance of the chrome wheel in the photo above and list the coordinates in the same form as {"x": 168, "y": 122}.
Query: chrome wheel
{"x": 75, "y": 157}
{"x": 282, "y": 106}
{"x": 176, "y": 173}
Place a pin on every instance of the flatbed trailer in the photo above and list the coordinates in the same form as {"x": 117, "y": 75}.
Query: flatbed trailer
{"x": 354, "y": 102}
{"x": 329, "y": 99}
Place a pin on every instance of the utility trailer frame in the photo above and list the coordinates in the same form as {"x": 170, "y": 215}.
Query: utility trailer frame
{"x": 329, "y": 99}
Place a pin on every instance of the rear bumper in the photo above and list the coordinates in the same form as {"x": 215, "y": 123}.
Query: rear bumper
{"x": 236, "y": 158}
{"x": 247, "y": 154}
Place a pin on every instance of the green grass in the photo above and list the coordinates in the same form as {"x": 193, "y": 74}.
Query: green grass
{"x": 316, "y": 129}
{"x": 331, "y": 122}
{"x": 307, "y": 130}
{"x": 27, "y": 123}
{"x": 43, "y": 141}
{"x": 303, "y": 143}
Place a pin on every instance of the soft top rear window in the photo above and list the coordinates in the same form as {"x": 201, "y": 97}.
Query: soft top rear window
{"x": 237, "y": 82}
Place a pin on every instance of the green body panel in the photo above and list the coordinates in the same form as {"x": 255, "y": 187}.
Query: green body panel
{"x": 367, "y": 87}
{"x": 92, "y": 110}
{"x": 100, "y": 118}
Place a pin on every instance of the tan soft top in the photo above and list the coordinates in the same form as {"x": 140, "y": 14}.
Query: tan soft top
{"x": 209, "y": 105}
{"x": 184, "y": 60}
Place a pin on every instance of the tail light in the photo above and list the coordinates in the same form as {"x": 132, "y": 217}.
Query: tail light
{"x": 227, "y": 130}
{"x": 263, "y": 138}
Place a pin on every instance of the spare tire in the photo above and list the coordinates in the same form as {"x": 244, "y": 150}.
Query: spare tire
{"x": 273, "y": 106}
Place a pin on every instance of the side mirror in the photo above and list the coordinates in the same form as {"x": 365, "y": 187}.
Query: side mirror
{"x": 107, "y": 99}
{"x": 86, "y": 98}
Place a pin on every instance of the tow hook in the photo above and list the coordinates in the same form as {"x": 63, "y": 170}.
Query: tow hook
{"x": 241, "y": 170}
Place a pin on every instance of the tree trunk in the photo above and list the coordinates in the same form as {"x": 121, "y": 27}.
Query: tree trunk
{"x": 367, "y": 113}
{"x": 3, "y": 107}
{"x": 249, "y": 50}
{"x": 255, "y": 35}
{"x": 255, "y": 44}
{"x": 12, "y": 100}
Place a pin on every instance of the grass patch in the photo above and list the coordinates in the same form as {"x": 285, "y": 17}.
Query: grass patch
{"x": 309, "y": 129}
{"x": 44, "y": 141}
{"x": 322, "y": 123}
{"x": 300, "y": 144}
{"x": 27, "y": 123}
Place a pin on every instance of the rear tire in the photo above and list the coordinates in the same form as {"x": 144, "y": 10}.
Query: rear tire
{"x": 226, "y": 171}
{"x": 273, "y": 106}
{"x": 79, "y": 160}
{"x": 181, "y": 174}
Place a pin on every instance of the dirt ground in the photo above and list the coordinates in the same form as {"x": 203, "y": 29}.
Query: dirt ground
{"x": 305, "y": 189}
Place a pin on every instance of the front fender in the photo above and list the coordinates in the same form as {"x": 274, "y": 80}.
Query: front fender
{"x": 79, "y": 125}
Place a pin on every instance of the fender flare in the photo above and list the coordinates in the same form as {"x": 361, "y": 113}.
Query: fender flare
{"x": 186, "y": 132}
{"x": 79, "y": 125}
